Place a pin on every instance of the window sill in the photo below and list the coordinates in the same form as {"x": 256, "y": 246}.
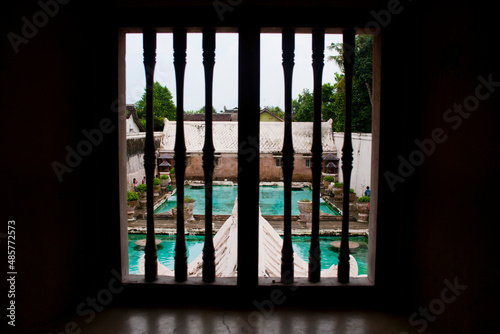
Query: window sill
{"x": 263, "y": 281}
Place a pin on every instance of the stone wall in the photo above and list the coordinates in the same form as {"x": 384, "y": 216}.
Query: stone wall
{"x": 362, "y": 155}
{"x": 228, "y": 168}
{"x": 135, "y": 155}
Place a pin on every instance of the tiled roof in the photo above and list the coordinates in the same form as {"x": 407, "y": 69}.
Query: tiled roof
{"x": 165, "y": 156}
{"x": 330, "y": 157}
{"x": 225, "y": 136}
{"x": 215, "y": 117}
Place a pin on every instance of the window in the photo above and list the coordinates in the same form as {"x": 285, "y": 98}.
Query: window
{"x": 247, "y": 179}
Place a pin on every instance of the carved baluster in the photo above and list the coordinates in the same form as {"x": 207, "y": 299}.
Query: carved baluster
{"x": 180, "y": 258}
{"x": 348, "y": 52}
{"x": 208, "y": 155}
{"x": 149, "y": 46}
{"x": 318, "y": 45}
{"x": 288, "y": 46}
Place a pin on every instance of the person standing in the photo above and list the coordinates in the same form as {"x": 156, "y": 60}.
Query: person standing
{"x": 135, "y": 184}
{"x": 367, "y": 191}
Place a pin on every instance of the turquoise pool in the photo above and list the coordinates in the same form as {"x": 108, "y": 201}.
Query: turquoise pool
{"x": 194, "y": 244}
{"x": 271, "y": 200}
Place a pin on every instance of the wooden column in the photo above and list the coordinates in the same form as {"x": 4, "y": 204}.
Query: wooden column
{"x": 149, "y": 46}
{"x": 180, "y": 258}
{"x": 248, "y": 155}
{"x": 288, "y": 46}
{"x": 348, "y": 51}
{"x": 208, "y": 155}
{"x": 318, "y": 46}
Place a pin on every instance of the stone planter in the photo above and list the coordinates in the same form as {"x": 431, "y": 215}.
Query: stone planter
{"x": 339, "y": 193}
{"x": 164, "y": 184}
{"x": 190, "y": 205}
{"x": 352, "y": 197}
{"x": 131, "y": 209}
{"x": 142, "y": 200}
{"x": 326, "y": 184}
{"x": 308, "y": 219}
{"x": 363, "y": 211}
{"x": 156, "y": 191}
{"x": 186, "y": 213}
{"x": 304, "y": 209}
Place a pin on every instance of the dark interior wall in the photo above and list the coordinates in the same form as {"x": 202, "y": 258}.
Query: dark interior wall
{"x": 60, "y": 82}
{"x": 455, "y": 228}
{"x": 441, "y": 227}
{"x": 436, "y": 225}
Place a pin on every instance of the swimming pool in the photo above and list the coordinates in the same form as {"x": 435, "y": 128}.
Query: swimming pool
{"x": 270, "y": 198}
{"x": 194, "y": 245}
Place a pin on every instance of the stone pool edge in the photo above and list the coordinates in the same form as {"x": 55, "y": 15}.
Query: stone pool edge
{"x": 295, "y": 232}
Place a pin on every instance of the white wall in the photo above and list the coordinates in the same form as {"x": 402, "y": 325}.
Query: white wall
{"x": 131, "y": 126}
{"x": 135, "y": 154}
{"x": 362, "y": 153}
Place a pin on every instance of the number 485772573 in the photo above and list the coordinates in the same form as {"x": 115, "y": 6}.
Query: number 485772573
{"x": 11, "y": 241}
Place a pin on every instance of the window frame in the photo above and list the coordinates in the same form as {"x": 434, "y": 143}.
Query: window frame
{"x": 369, "y": 280}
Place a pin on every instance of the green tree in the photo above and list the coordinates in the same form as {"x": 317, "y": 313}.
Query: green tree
{"x": 163, "y": 106}
{"x": 362, "y": 81}
{"x": 276, "y": 110}
{"x": 302, "y": 107}
{"x": 202, "y": 110}
{"x": 333, "y": 105}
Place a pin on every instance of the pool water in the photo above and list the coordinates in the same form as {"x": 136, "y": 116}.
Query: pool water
{"x": 194, "y": 245}
{"x": 270, "y": 198}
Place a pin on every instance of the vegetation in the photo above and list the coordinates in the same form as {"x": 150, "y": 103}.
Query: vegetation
{"x": 164, "y": 177}
{"x": 333, "y": 95}
{"x": 188, "y": 199}
{"x": 156, "y": 181}
{"x": 201, "y": 111}
{"x": 351, "y": 191}
{"x": 302, "y": 107}
{"x": 364, "y": 199}
{"x": 339, "y": 185}
{"x": 132, "y": 196}
{"x": 305, "y": 200}
{"x": 163, "y": 107}
{"x": 361, "y": 90}
{"x": 329, "y": 178}
{"x": 141, "y": 188}
{"x": 172, "y": 171}
{"x": 277, "y": 111}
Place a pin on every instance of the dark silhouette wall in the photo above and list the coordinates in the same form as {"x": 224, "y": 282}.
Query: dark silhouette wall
{"x": 436, "y": 224}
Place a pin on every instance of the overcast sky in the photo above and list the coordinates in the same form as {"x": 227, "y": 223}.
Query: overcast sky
{"x": 226, "y": 69}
